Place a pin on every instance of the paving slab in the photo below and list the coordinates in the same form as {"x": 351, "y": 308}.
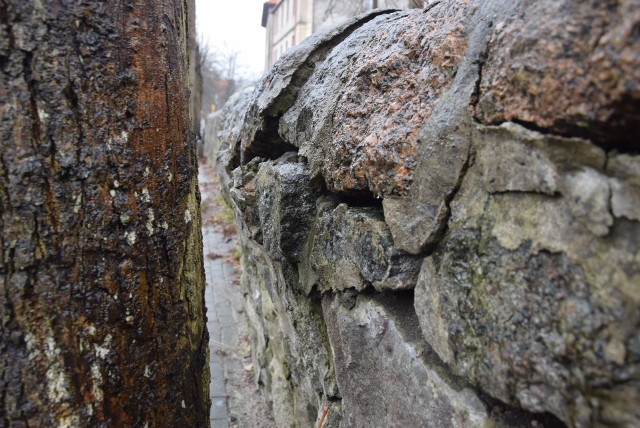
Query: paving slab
{"x": 235, "y": 398}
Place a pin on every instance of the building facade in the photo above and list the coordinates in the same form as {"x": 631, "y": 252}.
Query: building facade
{"x": 288, "y": 22}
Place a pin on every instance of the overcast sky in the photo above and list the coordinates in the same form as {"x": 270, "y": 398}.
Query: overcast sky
{"x": 234, "y": 25}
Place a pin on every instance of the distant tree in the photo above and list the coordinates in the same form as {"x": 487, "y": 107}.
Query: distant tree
{"x": 195, "y": 72}
{"x": 102, "y": 320}
{"x": 330, "y": 12}
{"x": 220, "y": 76}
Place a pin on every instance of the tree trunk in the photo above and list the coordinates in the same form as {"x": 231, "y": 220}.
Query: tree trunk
{"x": 195, "y": 75}
{"x": 101, "y": 276}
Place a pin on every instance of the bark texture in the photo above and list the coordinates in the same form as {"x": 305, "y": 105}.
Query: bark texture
{"x": 101, "y": 278}
{"x": 195, "y": 72}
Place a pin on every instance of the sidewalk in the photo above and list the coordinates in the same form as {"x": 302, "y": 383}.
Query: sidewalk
{"x": 235, "y": 398}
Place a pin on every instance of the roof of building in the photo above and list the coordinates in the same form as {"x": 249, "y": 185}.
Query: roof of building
{"x": 268, "y": 5}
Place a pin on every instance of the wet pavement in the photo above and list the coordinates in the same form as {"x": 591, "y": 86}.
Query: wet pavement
{"x": 235, "y": 398}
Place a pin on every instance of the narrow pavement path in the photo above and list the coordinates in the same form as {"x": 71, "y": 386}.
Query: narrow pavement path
{"x": 235, "y": 398}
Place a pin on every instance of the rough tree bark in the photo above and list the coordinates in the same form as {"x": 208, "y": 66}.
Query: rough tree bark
{"x": 195, "y": 74}
{"x": 101, "y": 277}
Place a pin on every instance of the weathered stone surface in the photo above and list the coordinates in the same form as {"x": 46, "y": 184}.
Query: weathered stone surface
{"x": 358, "y": 118}
{"x": 225, "y": 132}
{"x": 570, "y": 67}
{"x": 529, "y": 295}
{"x": 528, "y": 329}
{"x": 533, "y": 162}
{"x": 278, "y": 89}
{"x": 352, "y": 248}
{"x": 377, "y": 364}
{"x": 526, "y": 231}
{"x": 242, "y": 196}
{"x": 530, "y": 161}
{"x": 269, "y": 350}
{"x": 625, "y": 186}
{"x": 389, "y": 377}
{"x": 418, "y": 218}
{"x": 286, "y": 207}
{"x": 290, "y": 348}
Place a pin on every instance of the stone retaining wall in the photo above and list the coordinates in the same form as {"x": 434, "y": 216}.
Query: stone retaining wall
{"x": 439, "y": 217}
